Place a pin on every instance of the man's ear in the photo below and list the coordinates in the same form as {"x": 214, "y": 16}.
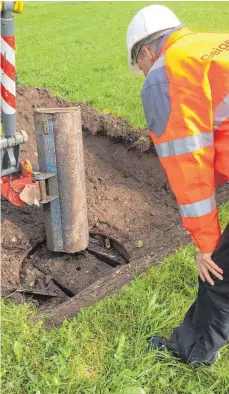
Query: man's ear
{"x": 147, "y": 52}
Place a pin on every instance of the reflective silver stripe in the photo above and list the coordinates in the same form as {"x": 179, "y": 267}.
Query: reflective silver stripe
{"x": 221, "y": 112}
{"x": 185, "y": 145}
{"x": 199, "y": 208}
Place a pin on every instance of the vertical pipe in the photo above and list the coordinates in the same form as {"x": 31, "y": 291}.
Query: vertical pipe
{"x": 47, "y": 163}
{"x": 71, "y": 177}
{"x": 8, "y": 75}
{"x": 63, "y": 126}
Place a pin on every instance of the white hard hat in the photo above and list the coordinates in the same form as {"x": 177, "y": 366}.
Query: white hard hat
{"x": 147, "y": 21}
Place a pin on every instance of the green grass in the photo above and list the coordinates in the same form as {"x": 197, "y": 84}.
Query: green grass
{"x": 103, "y": 350}
{"x": 78, "y": 49}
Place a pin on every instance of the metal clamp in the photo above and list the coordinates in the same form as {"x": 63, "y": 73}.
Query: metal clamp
{"x": 20, "y": 137}
{"x": 42, "y": 180}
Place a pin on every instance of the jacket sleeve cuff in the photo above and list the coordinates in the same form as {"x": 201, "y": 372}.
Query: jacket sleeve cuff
{"x": 206, "y": 236}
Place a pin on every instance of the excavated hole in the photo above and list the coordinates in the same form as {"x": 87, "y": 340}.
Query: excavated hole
{"x": 49, "y": 278}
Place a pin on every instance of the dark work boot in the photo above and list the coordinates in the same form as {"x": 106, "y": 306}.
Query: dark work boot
{"x": 160, "y": 344}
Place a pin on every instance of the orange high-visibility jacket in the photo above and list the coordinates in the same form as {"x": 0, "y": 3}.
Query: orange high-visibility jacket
{"x": 186, "y": 103}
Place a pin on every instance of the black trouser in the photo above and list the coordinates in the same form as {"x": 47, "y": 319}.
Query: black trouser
{"x": 205, "y": 328}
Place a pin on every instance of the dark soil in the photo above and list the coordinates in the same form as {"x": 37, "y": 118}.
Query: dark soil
{"x": 63, "y": 274}
{"x": 127, "y": 194}
{"x": 21, "y": 229}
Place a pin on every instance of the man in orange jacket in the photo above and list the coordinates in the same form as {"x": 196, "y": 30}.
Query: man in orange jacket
{"x": 186, "y": 102}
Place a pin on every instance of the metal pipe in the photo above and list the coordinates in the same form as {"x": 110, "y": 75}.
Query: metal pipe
{"x": 8, "y": 75}
{"x": 9, "y": 155}
{"x": 60, "y": 151}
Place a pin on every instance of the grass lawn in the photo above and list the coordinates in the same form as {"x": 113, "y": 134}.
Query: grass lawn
{"x": 78, "y": 51}
{"x": 103, "y": 350}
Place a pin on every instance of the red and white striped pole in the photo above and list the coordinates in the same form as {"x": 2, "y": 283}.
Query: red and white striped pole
{"x": 11, "y": 139}
{"x": 8, "y": 75}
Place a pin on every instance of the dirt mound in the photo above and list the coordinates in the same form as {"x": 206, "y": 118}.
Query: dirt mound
{"x": 117, "y": 129}
{"x": 127, "y": 191}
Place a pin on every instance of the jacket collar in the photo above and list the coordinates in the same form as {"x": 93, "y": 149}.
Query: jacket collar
{"x": 171, "y": 37}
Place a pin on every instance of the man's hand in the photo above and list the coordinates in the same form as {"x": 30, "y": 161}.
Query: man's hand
{"x": 206, "y": 265}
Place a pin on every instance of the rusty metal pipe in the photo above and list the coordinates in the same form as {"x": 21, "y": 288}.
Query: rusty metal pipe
{"x": 60, "y": 151}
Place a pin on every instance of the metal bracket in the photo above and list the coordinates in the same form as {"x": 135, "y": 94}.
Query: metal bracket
{"x": 20, "y": 137}
{"x": 36, "y": 192}
{"x": 42, "y": 178}
{"x": 9, "y": 152}
{"x": 9, "y": 161}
